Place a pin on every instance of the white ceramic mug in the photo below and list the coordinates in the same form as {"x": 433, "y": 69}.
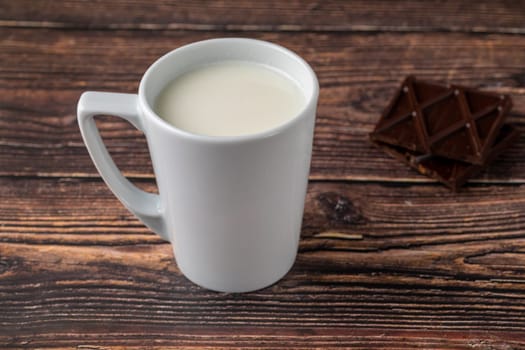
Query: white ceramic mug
{"x": 231, "y": 206}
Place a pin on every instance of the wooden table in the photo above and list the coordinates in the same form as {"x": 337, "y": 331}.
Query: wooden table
{"x": 388, "y": 258}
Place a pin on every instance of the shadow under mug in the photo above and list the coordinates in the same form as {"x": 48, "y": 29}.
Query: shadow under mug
{"x": 232, "y": 207}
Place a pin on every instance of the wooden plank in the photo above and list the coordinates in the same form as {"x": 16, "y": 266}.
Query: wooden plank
{"x": 44, "y": 72}
{"x": 480, "y": 16}
{"x": 420, "y": 266}
{"x": 373, "y": 217}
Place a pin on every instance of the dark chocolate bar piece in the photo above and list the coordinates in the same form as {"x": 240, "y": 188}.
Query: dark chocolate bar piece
{"x": 452, "y": 173}
{"x": 450, "y": 121}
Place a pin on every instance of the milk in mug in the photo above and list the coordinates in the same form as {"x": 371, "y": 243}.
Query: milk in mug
{"x": 230, "y": 98}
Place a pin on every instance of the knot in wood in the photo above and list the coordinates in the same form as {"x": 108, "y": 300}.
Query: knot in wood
{"x": 339, "y": 209}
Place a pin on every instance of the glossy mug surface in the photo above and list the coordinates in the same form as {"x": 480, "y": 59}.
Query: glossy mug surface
{"x": 231, "y": 206}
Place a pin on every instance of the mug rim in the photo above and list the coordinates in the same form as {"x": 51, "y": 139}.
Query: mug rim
{"x": 310, "y": 103}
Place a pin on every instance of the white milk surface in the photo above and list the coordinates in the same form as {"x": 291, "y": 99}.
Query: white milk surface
{"x": 230, "y": 98}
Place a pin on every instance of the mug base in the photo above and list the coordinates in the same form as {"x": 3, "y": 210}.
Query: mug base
{"x": 244, "y": 289}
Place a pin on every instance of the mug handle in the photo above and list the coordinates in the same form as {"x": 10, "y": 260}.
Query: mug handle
{"x": 145, "y": 205}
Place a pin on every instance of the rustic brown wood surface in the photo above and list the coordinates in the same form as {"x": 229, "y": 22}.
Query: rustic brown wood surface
{"x": 294, "y": 15}
{"x": 388, "y": 258}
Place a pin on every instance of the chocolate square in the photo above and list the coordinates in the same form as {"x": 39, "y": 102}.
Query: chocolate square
{"x": 450, "y": 121}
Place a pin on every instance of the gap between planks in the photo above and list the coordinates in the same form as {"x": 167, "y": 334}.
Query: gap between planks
{"x": 345, "y": 28}
{"x": 313, "y": 178}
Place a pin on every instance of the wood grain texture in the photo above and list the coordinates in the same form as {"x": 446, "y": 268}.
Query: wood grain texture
{"x": 387, "y": 258}
{"x": 44, "y": 73}
{"x": 383, "y": 217}
{"x": 467, "y": 16}
{"x": 77, "y": 269}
